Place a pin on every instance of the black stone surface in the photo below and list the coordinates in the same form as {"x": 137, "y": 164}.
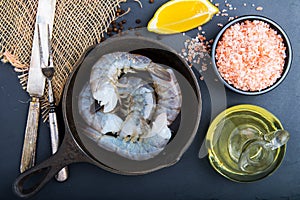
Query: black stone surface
{"x": 191, "y": 177}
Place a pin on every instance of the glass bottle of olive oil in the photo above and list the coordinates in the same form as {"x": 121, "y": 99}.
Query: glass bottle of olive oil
{"x": 239, "y": 130}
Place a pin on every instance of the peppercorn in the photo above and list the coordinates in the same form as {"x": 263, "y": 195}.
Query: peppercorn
{"x": 138, "y": 21}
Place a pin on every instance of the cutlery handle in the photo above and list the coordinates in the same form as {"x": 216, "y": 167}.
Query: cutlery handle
{"x": 30, "y": 138}
{"x": 62, "y": 175}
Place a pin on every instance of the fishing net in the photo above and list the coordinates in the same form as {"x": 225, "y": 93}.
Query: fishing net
{"x": 78, "y": 24}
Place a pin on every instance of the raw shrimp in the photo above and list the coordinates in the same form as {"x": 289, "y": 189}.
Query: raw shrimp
{"x": 168, "y": 92}
{"x": 102, "y": 122}
{"x": 145, "y": 131}
{"x": 137, "y": 140}
{"x": 148, "y": 146}
{"x": 106, "y": 71}
{"x": 138, "y": 100}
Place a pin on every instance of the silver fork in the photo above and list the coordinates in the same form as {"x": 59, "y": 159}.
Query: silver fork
{"x": 48, "y": 71}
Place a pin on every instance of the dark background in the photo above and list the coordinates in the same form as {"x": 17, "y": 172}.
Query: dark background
{"x": 191, "y": 177}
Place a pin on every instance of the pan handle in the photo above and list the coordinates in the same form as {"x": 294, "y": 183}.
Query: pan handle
{"x": 33, "y": 180}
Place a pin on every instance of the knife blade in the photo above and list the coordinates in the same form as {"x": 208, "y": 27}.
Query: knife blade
{"x": 36, "y": 85}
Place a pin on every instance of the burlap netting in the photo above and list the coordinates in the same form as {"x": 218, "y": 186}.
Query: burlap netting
{"x": 78, "y": 24}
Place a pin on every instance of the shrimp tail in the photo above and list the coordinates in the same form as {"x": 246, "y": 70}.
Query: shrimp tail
{"x": 160, "y": 127}
{"x": 102, "y": 122}
{"x": 106, "y": 96}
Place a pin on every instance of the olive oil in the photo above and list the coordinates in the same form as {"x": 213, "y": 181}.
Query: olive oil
{"x": 232, "y": 132}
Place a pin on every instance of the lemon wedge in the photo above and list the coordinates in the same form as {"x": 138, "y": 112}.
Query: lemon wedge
{"x": 177, "y": 16}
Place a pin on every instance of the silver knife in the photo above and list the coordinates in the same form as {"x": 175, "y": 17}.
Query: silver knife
{"x": 35, "y": 86}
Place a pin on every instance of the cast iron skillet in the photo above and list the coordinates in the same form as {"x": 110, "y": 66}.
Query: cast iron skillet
{"x": 76, "y": 147}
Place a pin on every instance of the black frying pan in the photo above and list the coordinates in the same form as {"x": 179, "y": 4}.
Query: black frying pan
{"x": 76, "y": 147}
